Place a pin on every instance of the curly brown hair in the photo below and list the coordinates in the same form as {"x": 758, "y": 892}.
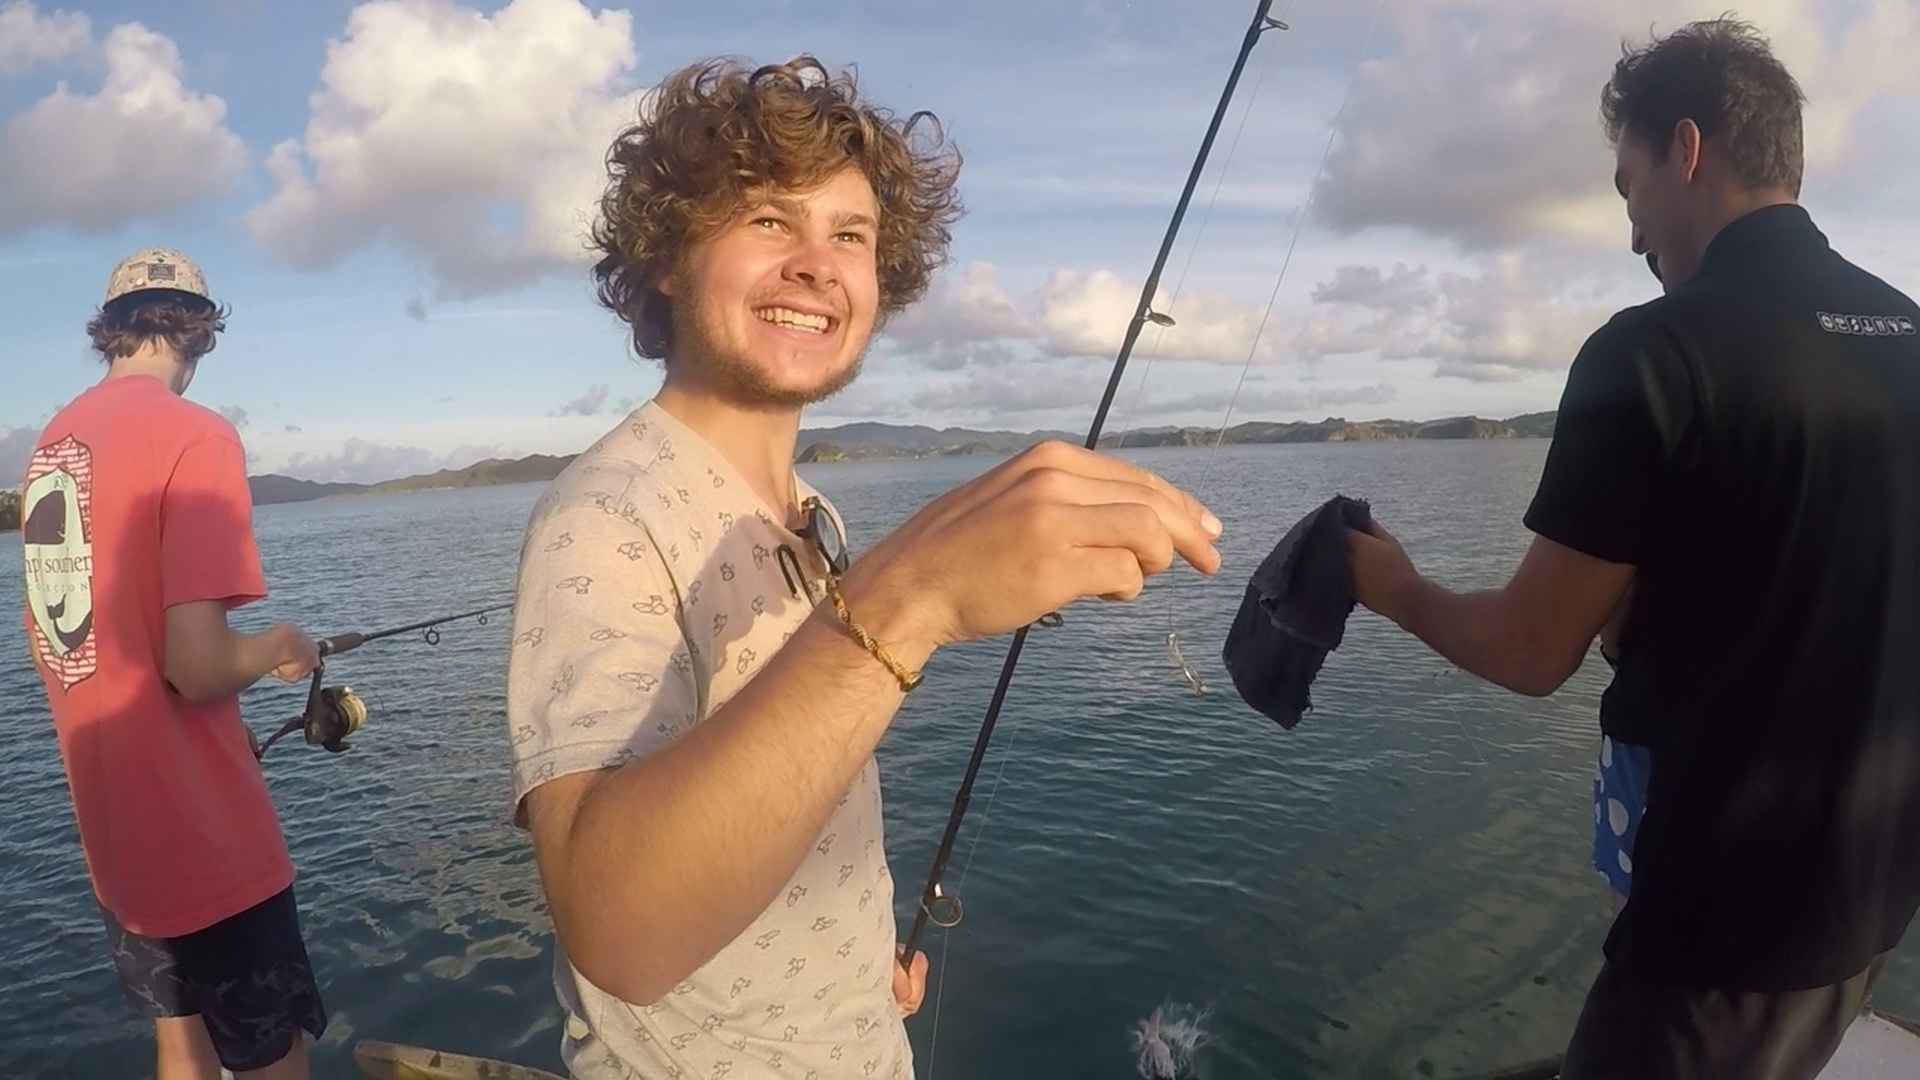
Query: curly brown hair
{"x": 186, "y": 322}
{"x": 1722, "y": 75}
{"x": 719, "y": 137}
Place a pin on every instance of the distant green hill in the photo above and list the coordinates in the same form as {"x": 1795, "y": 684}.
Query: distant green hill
{"x": 870, "y": 441}
{"x": 274, "y": 488}
{"x": 1538, "y": 425}
{"x": 492, "y": 472}
{"x": 1339, "y": 429}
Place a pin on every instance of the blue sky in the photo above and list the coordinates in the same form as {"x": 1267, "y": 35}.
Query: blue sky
{"x": 390, "y": 196}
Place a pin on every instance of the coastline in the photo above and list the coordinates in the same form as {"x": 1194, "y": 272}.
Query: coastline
{"x": 877, "y": 442}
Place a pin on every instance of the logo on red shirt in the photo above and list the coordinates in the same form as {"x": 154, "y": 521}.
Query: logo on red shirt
{"x": 57, "y": 526}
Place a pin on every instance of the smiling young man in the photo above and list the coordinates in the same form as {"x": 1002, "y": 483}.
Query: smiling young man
{"x": 1745, "y": 450}
{"x": 698, "y": 677}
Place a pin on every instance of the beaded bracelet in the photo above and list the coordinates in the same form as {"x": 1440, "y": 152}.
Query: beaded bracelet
{"x": 907, "y": 681}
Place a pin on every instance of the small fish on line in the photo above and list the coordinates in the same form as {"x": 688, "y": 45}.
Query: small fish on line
{"x": 1187, "y": 674}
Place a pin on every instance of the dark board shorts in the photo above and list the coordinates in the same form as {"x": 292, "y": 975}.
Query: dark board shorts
{"x": 247, "y": 977}
{"x": 1631, "y": 1029}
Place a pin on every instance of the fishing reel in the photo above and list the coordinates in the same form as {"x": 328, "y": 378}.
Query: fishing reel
{"x": 332, "y": 714}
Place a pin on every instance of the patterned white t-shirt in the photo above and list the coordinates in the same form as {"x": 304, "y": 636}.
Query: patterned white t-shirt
{"x": 651, "y": 590}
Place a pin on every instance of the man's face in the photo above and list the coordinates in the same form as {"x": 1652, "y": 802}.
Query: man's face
{"x": 776, "y": 309}
{"x": 1657, "y": 201}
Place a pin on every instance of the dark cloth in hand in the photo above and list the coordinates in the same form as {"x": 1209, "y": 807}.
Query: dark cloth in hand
{"x": 1295, "y": 611}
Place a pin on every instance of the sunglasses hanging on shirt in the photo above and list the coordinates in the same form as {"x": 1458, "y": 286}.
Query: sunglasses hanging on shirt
{"x": 822, "y": 533}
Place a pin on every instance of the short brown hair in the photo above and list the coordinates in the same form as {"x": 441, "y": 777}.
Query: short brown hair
{"x": 718, "y": 136}
{"x": 1721, "y": 74}
{"x": 185, "y": 322}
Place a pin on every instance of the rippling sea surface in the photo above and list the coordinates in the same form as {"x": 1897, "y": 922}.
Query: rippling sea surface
{"x": 1399, "y": 887}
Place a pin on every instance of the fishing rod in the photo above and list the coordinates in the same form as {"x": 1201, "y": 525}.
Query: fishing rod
{"x": 335, "y": 712}
{"x": 347, "y": 642}
{"x": 943, "y": 910}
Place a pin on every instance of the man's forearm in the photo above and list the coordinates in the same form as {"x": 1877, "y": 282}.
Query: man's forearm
{"x": 670, "y": 857}
{"x": 1478, "y": 632}
{"x": 215, "y": 666}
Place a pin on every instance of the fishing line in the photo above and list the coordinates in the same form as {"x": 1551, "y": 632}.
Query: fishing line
{"x": 946, "y": 934}
{"x": 939, "y": 999}
{"x": 1464, "y": 731}
{"x": 1211, "y": 465}
{"x": 931, "y": 895}
{"x": 1206, "y": 218}
{"x": 1299, "y": 222}
{"x": 1175, "y": 655}
{"x": 1286, "y": 263}
{"x": 1180, "y": 283}
{"x": 1192, "y": 677}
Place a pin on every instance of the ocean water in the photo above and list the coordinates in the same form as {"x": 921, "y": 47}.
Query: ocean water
{"x": 1396, "y": 888}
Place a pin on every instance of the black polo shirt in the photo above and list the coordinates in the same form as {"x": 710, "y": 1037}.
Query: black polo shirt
{"x": 1750, "y": 443}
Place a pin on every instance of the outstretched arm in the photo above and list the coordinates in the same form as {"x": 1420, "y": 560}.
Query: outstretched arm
{"x": 1529, "y": 636}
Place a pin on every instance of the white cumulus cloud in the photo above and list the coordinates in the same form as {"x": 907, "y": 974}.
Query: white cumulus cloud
{"x": 29, "y": 39}
{"x": 966, "y": 318}
{"x": 368, "y": 461}
{"x": 1086, "y": 314}
{"x": 587, "y": 404}
{"x": 1509, "y": 318}
{"x": 968, "y": 303}
{"x": 969, "y": 319}
{"x": 475, "y": 141}
{"x": 1482, "y": 125}
{"x": 143, "y": 145}
{"x": 16, "y": 446}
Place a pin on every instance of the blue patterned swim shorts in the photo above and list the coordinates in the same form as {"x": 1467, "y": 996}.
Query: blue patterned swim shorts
{"x": 1619, "y": 801}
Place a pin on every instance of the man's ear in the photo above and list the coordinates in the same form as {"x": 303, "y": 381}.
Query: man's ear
{"x": 1686, "y": 146}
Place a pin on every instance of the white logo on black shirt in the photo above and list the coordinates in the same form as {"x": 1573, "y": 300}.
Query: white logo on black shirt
{"x": 1866, "y": 325}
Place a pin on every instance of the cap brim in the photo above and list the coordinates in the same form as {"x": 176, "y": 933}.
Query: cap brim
{"x": 148, "y": 296}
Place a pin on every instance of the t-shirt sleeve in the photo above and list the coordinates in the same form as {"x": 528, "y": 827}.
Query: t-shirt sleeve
{"x": 1623, "y": 412}
{"x": 599, "y": 670}
{"x": 207, "y": 549}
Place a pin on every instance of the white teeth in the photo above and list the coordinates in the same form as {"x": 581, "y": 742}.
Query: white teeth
{"x": 788, "y": 317}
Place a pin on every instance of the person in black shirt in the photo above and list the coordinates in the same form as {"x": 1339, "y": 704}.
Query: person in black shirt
{"x": 1745, "y": 450}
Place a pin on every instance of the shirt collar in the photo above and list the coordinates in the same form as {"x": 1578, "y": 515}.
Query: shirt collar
{"x": 1761, "y": 238}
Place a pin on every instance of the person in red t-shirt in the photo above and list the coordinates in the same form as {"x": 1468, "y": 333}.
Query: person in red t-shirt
{"x": 137, "y": 523}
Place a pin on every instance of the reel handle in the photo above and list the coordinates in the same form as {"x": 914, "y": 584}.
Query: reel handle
{"x": 343, "y": 643}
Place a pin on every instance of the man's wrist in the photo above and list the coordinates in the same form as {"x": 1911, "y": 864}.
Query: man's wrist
{"x": 279, "y": 643}
{"x": 1404, "y": 601}
{"x": 889, "y": 616}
